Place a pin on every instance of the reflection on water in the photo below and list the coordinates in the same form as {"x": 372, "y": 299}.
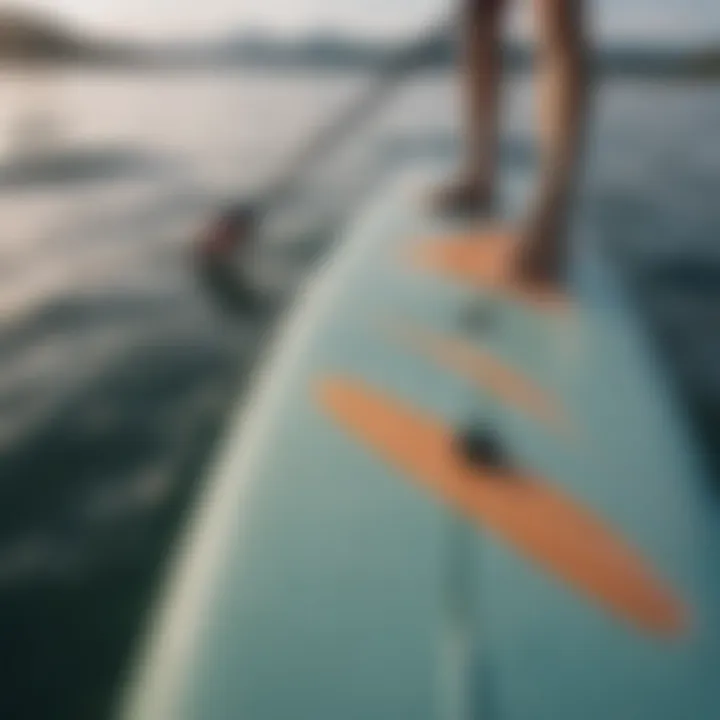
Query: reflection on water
{"x": 115, "y": 371}
{"x": 51, "y": 167}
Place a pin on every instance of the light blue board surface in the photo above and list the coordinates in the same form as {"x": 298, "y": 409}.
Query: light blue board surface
{"x": 317, "y": 583}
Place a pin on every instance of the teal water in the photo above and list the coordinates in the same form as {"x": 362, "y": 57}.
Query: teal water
{"x": 116, "y": 371}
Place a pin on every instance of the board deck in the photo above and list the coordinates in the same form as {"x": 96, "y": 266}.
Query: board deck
{"x": 347, "y": 562}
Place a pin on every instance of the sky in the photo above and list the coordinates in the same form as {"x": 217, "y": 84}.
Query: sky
{"x": 685, "y": 21}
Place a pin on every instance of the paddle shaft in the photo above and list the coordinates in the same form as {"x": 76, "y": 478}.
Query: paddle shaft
{"x": 330, "y": 135}
{"x": 236, "y": 228}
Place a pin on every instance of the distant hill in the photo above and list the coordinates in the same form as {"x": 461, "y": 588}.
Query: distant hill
{"x": 25, "y": 37}
{"x": 317, "y": 50}
{"x": 28, "y": 37}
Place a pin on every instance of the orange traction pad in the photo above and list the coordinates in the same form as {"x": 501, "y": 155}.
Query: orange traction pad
{"x": 486, "y": 370}
{"x": 551, "y": 529}
{"x": 483, "y": 259}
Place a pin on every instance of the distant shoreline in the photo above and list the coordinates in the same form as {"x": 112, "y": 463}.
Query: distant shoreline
{"x": 29, "y": 41}
{"x": 604, "y": 71}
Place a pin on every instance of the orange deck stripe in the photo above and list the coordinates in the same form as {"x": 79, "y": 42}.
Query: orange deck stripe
{"x": 482, "y": 259}
{"x": 487, "y": 371}
{"x": 540, "y": 522}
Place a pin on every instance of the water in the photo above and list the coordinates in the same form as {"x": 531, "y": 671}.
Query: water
{"x": 116, "y": 371}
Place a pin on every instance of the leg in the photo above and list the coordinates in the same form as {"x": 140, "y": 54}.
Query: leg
{"x": 562, "y": 95}
{"x": 481, "y": 20}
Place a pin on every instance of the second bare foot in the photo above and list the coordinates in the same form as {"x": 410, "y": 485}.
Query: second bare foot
{"x": 462, "y": 197}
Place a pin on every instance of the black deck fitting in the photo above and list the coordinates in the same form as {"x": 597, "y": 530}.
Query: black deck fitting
{"x": 482, "y": 447}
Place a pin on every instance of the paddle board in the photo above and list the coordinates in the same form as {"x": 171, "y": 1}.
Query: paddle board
{"x": 348, "y": 560}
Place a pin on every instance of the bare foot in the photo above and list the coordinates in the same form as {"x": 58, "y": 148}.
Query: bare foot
{"x": 539, "y": 257}
{"x": 464, "y": 196}
{"x": 538, "y": 263}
